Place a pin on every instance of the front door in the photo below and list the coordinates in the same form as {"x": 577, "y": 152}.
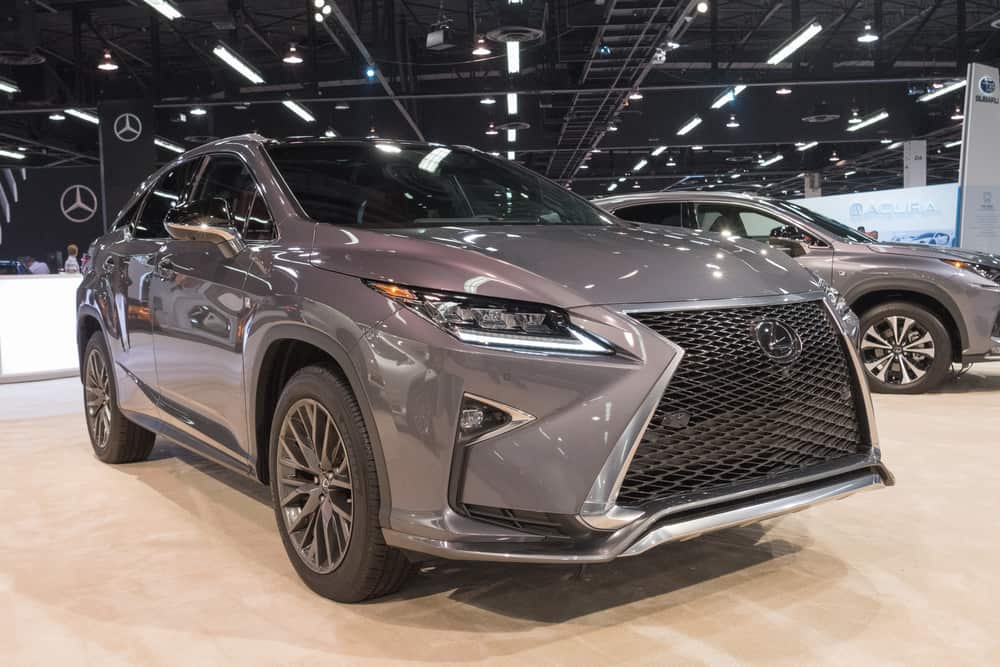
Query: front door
{"x": 200, "y": 309}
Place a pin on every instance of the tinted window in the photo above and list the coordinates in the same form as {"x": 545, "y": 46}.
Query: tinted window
{"x": 259, "y": 226}
{"x": 163, "y": 196}
{"x": 758, "y": 225}
{"x": 386, "y": 185}
{"x": 227, "y": 178}
{"x": 665, "y": 213}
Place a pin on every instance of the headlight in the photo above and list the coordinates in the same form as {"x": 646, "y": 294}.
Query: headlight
{"x": 513, "y": 325}
{"x": 987, "y": 272}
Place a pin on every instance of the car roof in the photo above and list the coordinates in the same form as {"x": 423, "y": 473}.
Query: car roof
{"x": 679, "y": 196}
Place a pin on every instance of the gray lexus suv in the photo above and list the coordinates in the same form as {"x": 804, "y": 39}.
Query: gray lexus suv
{"x": 428, "y": 351}
{"x": 922, "y": 307}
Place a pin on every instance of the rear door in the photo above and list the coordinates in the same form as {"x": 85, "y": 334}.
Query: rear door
{"x": 200, "y": 309}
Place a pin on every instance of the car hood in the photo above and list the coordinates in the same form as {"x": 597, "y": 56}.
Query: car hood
{"x": 564, "y": 265}
{"x": 937, "y": 252}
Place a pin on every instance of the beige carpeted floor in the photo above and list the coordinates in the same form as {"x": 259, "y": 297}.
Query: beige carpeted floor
{"x": 176, "y": 562}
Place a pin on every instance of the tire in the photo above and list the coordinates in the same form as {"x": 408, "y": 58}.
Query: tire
{"x": 114, "y": 438}
{"x": 921, "y": 361}
{"x": 312, "y": 492}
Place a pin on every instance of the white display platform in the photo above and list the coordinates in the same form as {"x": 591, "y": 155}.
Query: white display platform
{"x": 38, "y": 327}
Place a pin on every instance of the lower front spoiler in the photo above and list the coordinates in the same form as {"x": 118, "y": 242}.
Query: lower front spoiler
{"x": 652, "y": 531}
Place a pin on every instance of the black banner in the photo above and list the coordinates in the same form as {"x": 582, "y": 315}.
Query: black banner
{"x": 128, "y": 154}
{"x": 44, "y": 210}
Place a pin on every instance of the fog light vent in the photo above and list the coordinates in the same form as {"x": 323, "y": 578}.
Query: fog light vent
{"x": 481, "y": 418}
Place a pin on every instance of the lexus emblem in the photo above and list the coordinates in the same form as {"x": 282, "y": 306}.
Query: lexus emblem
{"x": 778, "y": 341}
{"x": 128, "y": 127}
{"x": 78, "y": 203}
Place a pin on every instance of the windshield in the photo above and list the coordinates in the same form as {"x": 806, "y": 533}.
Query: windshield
{"x": 386, "y": 185}
{"x": 832, "y": 227}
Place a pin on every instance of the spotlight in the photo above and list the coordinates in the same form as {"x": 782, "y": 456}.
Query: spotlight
{"x": 492, "y": 130}
{"x": 107, "y": 63}
{"x": 702, "y": 7}
{"x": 783, "y": 91}
{"x": 292, "y": 56}
{"x": 198, "y": 111}
{"x": 56, "y": 116}
{"x": 733, "y": 123}
{"x": 481, "y": 49}
{"x": 867, "y": 37}
{"x": 370, "y": 72}
{"x": 958, "y": 115}
{"x": 488, "y": 100}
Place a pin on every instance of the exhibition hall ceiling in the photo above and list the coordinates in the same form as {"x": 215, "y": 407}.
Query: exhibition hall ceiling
{"x": 592, "y": 93}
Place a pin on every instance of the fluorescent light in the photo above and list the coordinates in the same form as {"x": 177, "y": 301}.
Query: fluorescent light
{"x": 622, "y": 179}
{"x": 640, "y": 165}
{"x": 612, "y": 187}
{"x": 84, "y": 115}
{"x": 299, "y": 110}
{"x": 934, "y": 94}
{"x": 690, "y": 125}
{"x": 795, "y": 42}
{"x": 849, "y": 173}
{"x": 13, "y": 155}
{"x": 635, "y": 95}
{"x": 8, "y": 86}
{"x": 165, "y": 8}
{"x": 658, "y": 151}
{"x": 805, "y": 147}
{"x": 728, "y": 96}
{"x": 167, "y": 145}
{"x": 871, "y": 120}
{"x": 953, "y": 144}
{"x": 771, "y": 160}
{"x": 735, "y": 176}
{"x": 510, "y": 155}
{"x": 697, "y": 148}
{"x": 513, "y": 57}
{"x": 895, "y": 145}
{"x": 198, "y": 111}
{"x": 512, "y": 104}
{"x": 231, "y": 58}
{"x": 511, "y": 135}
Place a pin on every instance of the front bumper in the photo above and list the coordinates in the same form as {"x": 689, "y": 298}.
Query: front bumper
{"x": 666, "y": 524}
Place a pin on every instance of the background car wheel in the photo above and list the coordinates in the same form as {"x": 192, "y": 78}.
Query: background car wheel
{"x": 905, "y": 348}
{"x": 325, "y": 492}
{"x": 115, "y": 439}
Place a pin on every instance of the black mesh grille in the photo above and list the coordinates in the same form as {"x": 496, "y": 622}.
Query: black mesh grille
{"x": 732, "y": 415}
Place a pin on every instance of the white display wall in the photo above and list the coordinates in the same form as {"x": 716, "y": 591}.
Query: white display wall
{"x": 926, "y": 215}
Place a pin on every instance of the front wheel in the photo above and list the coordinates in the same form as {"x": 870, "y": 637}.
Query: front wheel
{"x": 905, "y": 348}
{"x": 325, "y": 491}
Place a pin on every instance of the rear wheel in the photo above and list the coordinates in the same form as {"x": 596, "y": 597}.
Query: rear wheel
{"x": 905, "y": 348}
{"x": 325, "y": 492}
{"x": 115, "y": 439}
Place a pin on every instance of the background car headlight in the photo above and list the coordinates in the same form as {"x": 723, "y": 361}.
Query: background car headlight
{"x": 514, "y": 325}
{"x": 987, "y": 272}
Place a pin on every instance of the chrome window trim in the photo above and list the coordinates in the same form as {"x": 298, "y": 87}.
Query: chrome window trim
{"x": 718, "y": 304}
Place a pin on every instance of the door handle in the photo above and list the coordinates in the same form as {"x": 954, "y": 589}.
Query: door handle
{"x": 165, "y": 268}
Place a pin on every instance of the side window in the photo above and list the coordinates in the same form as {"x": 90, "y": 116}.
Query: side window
{"x": 259, "y": 226}
{"x": 759, "y": 226}
{"x": 226, "y": 177}
{"x": 720, "y": 219}
{"x": 163, "y": 196}
{"x": 666, "y": 213}
{"x": 126, "y": 217}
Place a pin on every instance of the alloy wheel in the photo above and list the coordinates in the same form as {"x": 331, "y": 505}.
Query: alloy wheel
{"x": 315, "y": 485}
{"x": 897, "y": 350}
{"x": 97, "y": 394}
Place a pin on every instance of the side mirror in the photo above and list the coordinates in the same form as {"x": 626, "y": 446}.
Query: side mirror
{"x": 208, "y": 220}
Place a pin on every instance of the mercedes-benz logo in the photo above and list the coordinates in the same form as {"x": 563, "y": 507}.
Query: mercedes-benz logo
{"x": 78, "y": 203}
{"x": 128, "y": 127}
{"x": 779, "y": 341}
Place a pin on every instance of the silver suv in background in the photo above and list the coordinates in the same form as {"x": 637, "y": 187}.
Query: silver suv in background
{"x": 427, "y": 350}
{"x": 921, "y": 307}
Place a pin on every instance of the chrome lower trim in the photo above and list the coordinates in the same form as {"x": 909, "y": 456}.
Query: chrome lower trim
{"x": 740, "y": 516}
